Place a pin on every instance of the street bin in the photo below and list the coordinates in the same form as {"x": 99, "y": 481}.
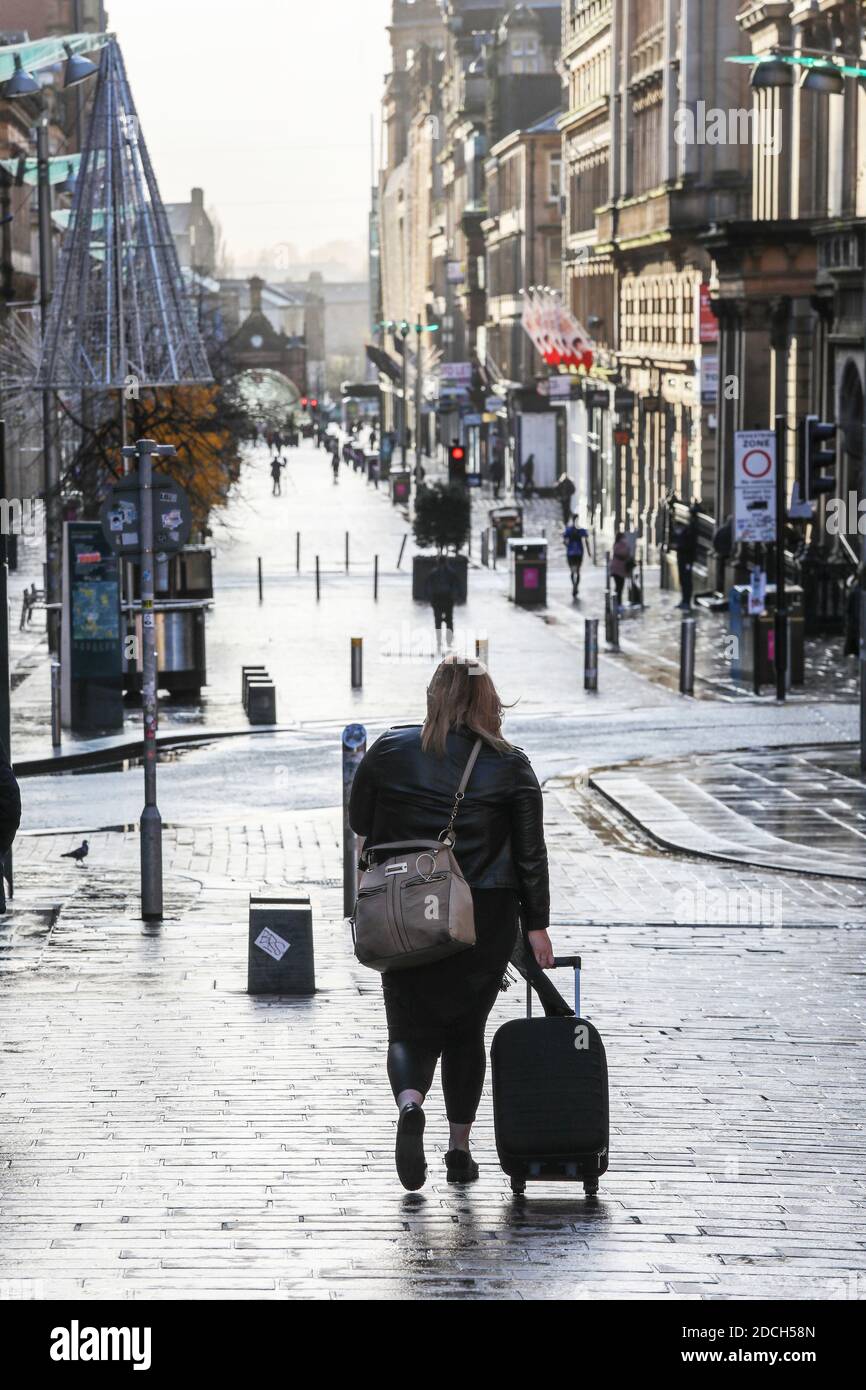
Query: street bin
{"x": 280, "y": 958}
{"x": 753, "y": 660}
{"x": 180, "y": 648}
{"x": 401, "y": 486}
{"x": 506, "y": 522}
{"x": 261, "y": 700}
{"x": 527, "y": 571}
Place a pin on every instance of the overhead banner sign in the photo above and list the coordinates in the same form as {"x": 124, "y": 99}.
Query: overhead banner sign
{"x": 755, "y": 485}
{"x": 557, "y": 335}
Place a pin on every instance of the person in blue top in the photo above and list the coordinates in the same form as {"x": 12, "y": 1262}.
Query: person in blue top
{"x": 576, "y": 540}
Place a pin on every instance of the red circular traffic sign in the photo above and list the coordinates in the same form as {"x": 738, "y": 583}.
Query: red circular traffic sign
{"x": 760, "y": 470}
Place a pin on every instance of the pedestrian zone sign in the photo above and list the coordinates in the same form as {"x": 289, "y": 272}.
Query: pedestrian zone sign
{"x": 755, "y": 486}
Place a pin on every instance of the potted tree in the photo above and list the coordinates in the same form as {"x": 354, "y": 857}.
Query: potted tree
{"x": 442, "y": 521}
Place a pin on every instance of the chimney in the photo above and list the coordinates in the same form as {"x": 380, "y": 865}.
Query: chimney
{"x": 197, "y": 199}
{"x": 256, "y": 285}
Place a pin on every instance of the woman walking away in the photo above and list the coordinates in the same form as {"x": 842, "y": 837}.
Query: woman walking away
{"x": 405, "y": 789}
{"x": 619, "y": 563}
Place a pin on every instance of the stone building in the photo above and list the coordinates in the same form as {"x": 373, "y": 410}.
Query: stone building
{"x": 641, "y": 188}
{"x": 789, "y": 273}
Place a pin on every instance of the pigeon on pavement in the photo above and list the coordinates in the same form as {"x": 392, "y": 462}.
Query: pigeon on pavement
{"x": 77, "y": 854}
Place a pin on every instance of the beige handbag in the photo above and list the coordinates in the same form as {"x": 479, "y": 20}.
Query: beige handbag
{"x": 415, "y": 906}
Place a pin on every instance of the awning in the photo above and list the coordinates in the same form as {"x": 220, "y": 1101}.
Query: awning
{"x": 383, "y": 363}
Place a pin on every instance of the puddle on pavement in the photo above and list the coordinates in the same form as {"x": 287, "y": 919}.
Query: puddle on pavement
{"x": 165, "y": 755}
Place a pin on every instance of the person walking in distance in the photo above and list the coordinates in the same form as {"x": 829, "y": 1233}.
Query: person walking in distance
{"x": 576, "y": 541}
{"x": 404, "y": 788}
{"x": 277, "y": 467}
{"x": 620, "y": 557}
{"x": 528, "y": 476}
{"x": 565, "y": 491}
{"x": 497, "y": 473}
{"x": 442, "y": 589}
{"x": 686, "y": 547}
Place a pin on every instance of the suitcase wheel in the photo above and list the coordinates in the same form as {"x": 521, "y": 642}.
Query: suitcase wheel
{"x": 591, "y": 1187}
{"x": 518, "y": 1186}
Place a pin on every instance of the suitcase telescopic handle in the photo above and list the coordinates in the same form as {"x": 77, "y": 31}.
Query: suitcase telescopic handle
{"x": 574, "y": 962}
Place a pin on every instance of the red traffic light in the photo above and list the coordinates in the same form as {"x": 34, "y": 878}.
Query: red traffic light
{"x": 303, "y": 401}
{"x": 314, "y": 404}
{"x": 458, "y": 454}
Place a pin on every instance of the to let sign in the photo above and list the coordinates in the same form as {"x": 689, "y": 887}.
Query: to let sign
{"x": 755, "y": 485}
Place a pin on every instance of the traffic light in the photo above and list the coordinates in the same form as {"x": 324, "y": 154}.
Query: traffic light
{"x": 314, "y": 405}
{"x": 457, "y": 464}
{"x": 304, "y": 402}
{"x": 817, "y": 434}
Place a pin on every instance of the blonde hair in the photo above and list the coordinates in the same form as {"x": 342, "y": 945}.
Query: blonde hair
{"x": 462, "y": 695}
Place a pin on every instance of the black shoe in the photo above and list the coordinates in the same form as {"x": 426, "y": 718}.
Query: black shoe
{"x": 409, "y": 1153}
{"x": 461, "y": 1166}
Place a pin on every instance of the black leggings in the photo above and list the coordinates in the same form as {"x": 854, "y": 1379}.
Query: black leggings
{"x": 464, "y": 1062}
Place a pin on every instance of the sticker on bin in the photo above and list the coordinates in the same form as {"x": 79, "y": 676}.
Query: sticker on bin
{"x": 272, "y": 944}
{"x": 531, "y": 577}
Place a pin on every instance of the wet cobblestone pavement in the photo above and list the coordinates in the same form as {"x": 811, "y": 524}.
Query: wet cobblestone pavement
{"x": 166, "y": 1135}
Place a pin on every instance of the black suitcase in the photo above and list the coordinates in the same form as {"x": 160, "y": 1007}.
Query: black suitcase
{"x": 550, "y": 1097}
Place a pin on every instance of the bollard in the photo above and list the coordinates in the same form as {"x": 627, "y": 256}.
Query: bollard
{"x": 482, "y": 650}
{"x": 357, "y": 662}
{"x": 280, "y": 957}
{"x": 688, "y": 633}
{"x": 354, "y": 747}
{"x": 594, "y": 548}
{"x": 485, "y": 548}
{"x": 590, "y": 654}
{"x": 318, "y": 580}
{"x": 640, "y": 581}
{"x": 297, "y": 552}
{"x": 402, "y": 548}
{"x": 611, "y": 621}
{"x": 55, "y": 704}
{"x": 376, "y": 577}
{"x": 347, "y": 552}
{"x": 260, "y": 579}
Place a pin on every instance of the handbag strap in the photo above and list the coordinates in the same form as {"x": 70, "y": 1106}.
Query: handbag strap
{"x": 447, "y": 835}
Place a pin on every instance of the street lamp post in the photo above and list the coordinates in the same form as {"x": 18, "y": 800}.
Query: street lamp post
{"x": 419, "y": 389}
{"x": 150, "y": 828}
{"x": 50, "y": 469}
{"x": 404, "y": 414}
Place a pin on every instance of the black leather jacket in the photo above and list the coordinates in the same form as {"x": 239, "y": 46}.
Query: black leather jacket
{"x": 403, "y": 793}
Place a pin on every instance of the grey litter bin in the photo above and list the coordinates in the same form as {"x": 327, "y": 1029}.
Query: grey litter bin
{"x": 261, "y": 701}
{"x": 280, "y": 959}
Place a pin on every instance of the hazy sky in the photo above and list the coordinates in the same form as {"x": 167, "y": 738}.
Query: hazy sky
{"x": 265, "y": 104}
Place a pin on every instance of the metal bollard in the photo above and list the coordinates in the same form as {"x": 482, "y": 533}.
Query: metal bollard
{"x": 375, "y": 576}
{"x": 260, "y": 579}
{"x": 688, "y": 634}
{"x": 482, "y": 650}
{"x": 594, "y": 548}
{"x": 357, "y": 662}
{"x": 590, "y": 654}
{"x": 55, "y": 704}
{"x": 354, "y": 747}
{"x": 318, "y": 580}
{"x": 297, "y": 552}
{"x": 347, "y": 552}
{"x": 611, "y": 621}
{"x": 402, "y": 548}
{"x": 640, "y": 581}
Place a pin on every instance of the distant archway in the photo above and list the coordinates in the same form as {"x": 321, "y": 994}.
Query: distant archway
{"x": 265, "y": 396}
